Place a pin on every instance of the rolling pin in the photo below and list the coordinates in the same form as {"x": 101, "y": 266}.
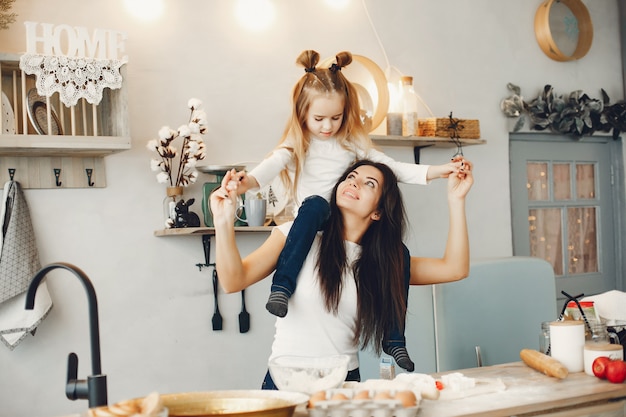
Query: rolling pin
{"x": 543, "y": 363}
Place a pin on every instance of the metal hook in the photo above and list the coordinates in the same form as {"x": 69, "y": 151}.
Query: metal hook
{"x": 89, "y": 172}
{"x": 11, "y": 173}
{"x": 57, "y": 175}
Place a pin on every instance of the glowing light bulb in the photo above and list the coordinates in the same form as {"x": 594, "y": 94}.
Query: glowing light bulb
{"x": 145, "y": 9}
{"x": 255, "y": 15}
{"x": 338, "y": 4}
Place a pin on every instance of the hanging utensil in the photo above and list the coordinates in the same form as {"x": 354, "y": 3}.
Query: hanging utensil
{"x": 244, "y": 316}
{"x": 217, "y": 317}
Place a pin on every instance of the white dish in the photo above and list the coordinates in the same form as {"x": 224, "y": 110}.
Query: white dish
{"x": 38, "y": 114}
{"x": 8, "y": 117}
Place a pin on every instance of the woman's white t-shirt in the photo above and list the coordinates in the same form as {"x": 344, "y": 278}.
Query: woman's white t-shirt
{"x": 309, "y": 329}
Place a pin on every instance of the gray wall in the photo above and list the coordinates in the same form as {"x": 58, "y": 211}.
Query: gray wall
{"x": 155, "y": 306}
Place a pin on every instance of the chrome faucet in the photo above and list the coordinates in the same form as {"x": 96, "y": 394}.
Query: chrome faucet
{"x": 95, "y": 387}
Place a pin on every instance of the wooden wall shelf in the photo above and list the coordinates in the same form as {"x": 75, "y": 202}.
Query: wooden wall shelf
{"x": 48, "y": 145}
{"x": 420, "y": 142}
{"x": 199, "y": 231}
{"x": 206, "y": 233}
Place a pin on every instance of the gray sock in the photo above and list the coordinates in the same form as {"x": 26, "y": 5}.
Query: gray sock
{"x": 277, "y": 303}
{"x": 401, "y": 356}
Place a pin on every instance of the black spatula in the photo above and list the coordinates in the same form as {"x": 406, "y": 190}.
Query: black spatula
{"x": 217, "y": 317}
{"x": 244, "y": 317}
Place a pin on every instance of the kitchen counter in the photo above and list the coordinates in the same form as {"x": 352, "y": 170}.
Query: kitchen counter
{"x": 529, "y": 392}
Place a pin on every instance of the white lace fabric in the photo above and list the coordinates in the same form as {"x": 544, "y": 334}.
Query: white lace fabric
{"x": 72, "y": 78}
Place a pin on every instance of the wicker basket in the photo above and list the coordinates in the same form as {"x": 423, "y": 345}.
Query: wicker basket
{"x": 443, "y": 127}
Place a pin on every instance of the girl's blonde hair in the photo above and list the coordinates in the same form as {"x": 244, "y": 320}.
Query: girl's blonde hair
{"x": 315, "y": 82}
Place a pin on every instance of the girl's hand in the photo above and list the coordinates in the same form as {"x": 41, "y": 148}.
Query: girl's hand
{"x": 246, "y": 182}
{"x": 460, "y": 184}
{"x": 224, "y": 199}
{"x": 443, "y": 171}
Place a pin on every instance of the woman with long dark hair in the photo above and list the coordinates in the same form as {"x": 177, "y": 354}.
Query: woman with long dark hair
{"x": 351, "y": 287}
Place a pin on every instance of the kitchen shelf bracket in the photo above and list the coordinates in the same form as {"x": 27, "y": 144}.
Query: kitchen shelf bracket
{"x": 206, "y": 245}
{"x": 416, "y": 152}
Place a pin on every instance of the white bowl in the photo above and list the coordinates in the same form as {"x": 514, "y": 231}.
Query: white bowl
{"x": 308, "y": 374}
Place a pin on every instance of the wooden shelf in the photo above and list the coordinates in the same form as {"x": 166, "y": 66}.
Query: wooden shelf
{"x": 422, "y": 141}
{"x": 199, "y": 231}
{"x": 62, "y": 145}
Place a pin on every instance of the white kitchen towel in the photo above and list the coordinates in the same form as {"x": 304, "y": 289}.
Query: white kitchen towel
{"x": 19, "y": 262}
{"x": 19, "y": 259}
{"x": 610, "y": 305}
{"x": 16, "y": 322}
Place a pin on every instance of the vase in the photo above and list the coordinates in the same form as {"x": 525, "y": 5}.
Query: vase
{"x": 173, "y": 196}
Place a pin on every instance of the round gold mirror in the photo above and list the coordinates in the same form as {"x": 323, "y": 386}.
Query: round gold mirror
{"x": 563, "y": 29}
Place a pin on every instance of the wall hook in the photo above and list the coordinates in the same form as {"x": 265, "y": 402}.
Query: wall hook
{"x": 57, "y": 176}
{"x": 11, "y": 173}
{"x": 89, "y": 172}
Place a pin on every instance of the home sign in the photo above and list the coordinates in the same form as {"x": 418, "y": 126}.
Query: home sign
{"x": 73, "y": 61}
{"x": 74, "y": 42}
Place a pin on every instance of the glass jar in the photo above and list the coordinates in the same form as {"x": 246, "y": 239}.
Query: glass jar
{"x": 544, "y": 338}
{"x": 409, "y": 102}
{"x": 599, "y": 341}
{"x": 172, "y": 196}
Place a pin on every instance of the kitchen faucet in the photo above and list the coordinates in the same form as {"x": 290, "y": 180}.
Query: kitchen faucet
{"x": 95, "y": 387}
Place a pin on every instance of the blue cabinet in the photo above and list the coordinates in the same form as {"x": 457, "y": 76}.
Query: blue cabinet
{"x": 498, "y": 308}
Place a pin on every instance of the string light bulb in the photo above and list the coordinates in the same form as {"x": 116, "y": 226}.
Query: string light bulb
{"x": 255, "y": 15}
{"x": 145, "y": 9}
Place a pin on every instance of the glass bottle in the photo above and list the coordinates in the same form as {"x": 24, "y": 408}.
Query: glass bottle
{"x": 409, "y": 101}
{"x": 173, "y": 196}
{"x": 394, "y": 118}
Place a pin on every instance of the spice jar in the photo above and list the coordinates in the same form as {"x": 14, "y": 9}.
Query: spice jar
{"x": 572, "y": 312}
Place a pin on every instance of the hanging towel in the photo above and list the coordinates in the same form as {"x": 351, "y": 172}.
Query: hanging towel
{"x": 19, "y": 262}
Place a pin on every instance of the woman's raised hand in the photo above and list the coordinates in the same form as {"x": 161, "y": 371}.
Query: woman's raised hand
{"x": 460, "y": 184}
{"x": 224, "y": 199}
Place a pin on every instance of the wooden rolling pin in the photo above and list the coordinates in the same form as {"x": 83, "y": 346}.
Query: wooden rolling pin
{"x": 543, "y": 363}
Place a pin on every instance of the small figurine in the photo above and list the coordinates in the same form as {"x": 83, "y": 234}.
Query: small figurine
{"x": 184, "y": 217}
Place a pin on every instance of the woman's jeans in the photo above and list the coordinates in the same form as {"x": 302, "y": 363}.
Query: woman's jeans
{"x": 312, "y": 216}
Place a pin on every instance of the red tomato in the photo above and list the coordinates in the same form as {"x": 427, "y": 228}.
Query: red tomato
{"x": 616, "y": 371}
{"x": 599, "y": 366}
{"x": 439, "y": 385}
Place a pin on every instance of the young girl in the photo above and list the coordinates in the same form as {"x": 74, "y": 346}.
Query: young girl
{"x": 324, "y": 135}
